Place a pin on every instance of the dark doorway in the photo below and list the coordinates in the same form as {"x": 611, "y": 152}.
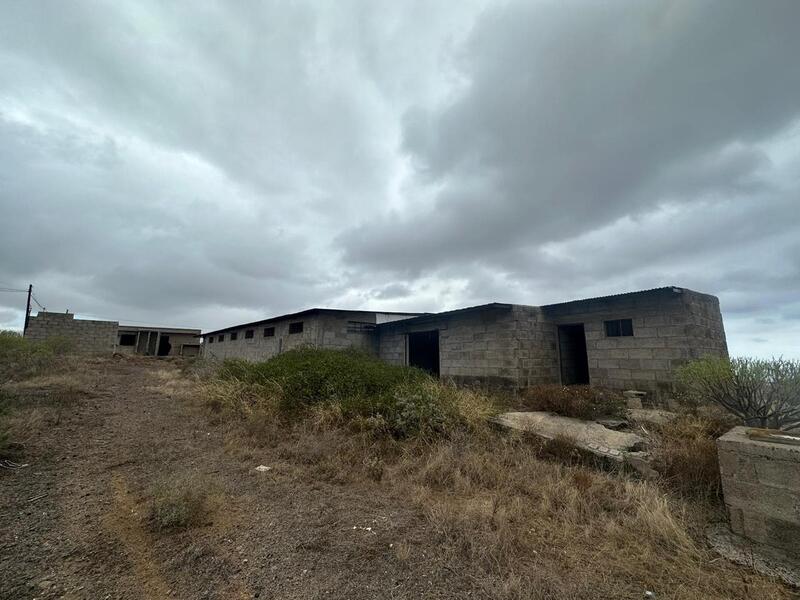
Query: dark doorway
{"x": 423, "y": 351}
{"x": 572, "y": 349}
{"x": 164, "y": 346}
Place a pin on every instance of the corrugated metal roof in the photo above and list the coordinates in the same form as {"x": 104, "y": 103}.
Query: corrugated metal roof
{"x": 675, "y": 289}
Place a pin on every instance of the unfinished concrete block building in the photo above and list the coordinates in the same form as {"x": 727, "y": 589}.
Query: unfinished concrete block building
{"x": 627, "y": 341}
{"x": 99, "y": 337}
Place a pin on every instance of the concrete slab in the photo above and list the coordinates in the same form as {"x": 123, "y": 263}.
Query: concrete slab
{"x": 650, "y": 415}
{"x": 765, "y": 559}
{"x": 587, "y": 435}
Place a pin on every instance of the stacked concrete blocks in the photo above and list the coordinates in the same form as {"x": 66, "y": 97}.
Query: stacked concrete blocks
{"x": 761, "y": 485}
{"x": 84, "y": 335}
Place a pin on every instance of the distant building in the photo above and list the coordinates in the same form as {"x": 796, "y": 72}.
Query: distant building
{"x": 158, "y": 341}
{"x": 634, "y": 340}
{"x": 90, "y": 336}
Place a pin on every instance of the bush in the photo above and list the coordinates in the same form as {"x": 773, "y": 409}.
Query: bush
{"x": 180, "y": 502}
{"x": 685, "y": 455}
{"x": 21, "y": 358}
{"x": 308, "y": 376}
{"x": 578, "y": 401}
{"x": 351, "y": 386}
{"x": 763, "y": 393}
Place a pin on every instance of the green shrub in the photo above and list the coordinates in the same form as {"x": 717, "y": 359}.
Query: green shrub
{"x": 578, "y": 401}
{"x": 353, "y": 386}
{"x": 763, "y": 393}
{"x": 21, "y": 358}
{"x": 308, "y": 376}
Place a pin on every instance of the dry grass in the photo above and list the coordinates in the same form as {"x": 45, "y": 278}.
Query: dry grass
{"x": 578, "y": 401}
{"x": 525, "y": 525}
{"x": 685, "y": 454}
{"x": 526, "y": 520}
{"x": 528, "y": 524}
{"x": 29, "y": 406}
{"x": 182, "y": 501}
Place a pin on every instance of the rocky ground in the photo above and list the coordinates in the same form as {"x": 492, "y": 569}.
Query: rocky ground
{"x": 74, "y": 522}
{"x": 462, "y": 519}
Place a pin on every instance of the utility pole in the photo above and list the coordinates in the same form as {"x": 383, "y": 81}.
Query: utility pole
{"x": 27, "y": 309}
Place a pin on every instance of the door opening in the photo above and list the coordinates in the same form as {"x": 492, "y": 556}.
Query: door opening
{"x": 164, "y": 346}
{"x": 423, "y": 351}
{"x": 572, "y": 350}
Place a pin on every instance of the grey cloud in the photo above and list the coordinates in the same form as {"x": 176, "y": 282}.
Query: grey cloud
{"x": 392, "y": 291}
{"x": 574, "y": 118}
{"x": 214, "y": 163}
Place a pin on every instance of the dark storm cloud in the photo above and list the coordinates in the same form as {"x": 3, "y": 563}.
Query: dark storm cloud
{"x": 203, "y": 164}
{"x": 573, "y": 118}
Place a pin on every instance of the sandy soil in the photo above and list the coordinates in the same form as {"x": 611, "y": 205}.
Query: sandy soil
{"x": 74, "y": 523}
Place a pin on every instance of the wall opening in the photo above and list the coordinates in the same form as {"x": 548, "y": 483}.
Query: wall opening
{"x": 423, "y": 351}
{"x": 572, "y": 352}
{"x": 164, "y": 346}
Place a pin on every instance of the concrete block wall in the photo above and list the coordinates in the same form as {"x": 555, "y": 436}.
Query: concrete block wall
{"x": 478, "y": 347}
{"x": 670, "y": 327}
{"x": 537, "y": 353}
{"x": 319, "y": 330}
{"x": 761, "y": 486}
{"x": 86, "y": 336}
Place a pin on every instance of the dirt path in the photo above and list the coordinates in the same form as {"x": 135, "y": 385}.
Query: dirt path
{"x": 74, "y": 523}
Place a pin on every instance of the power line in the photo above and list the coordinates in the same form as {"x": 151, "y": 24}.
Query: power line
{"x": 12, "y": 290}
{"x": 37, "y": 302}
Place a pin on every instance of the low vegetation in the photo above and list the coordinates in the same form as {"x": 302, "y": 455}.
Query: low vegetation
{"x": 38, "y": 381}
{"x": 763, "y": 393}
{"x": 21, "y": 358}
{"x": 5, "y": 437}
{"x": 181, "y": 501}
{"x": 533, "y": 519}
{"x": 685, "y": 455}
{"x": 346, "y": 386}
{"x": 578, "y": 401}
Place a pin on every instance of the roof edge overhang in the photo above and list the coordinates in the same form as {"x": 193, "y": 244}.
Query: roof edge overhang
{"x": 499, "y": 306}
{"x": 308, "y": 312}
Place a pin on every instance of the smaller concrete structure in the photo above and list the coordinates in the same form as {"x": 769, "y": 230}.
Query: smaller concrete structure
{"x": 761, "y": 485}
{"x": 99, "y": 337}
{"x": 158, "y": 341}
{"x": 85, "y": 336}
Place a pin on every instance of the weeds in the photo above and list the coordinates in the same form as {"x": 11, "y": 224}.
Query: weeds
{"x": 685, "y": 455}
{"x": 525, "y": 524}
{"x": 345, "y": 387}
{"x": 535, "y": 528}
{"x": 578, "y": 401}
{"x": 20, "y": 358}
{"x": 181, "y": 502}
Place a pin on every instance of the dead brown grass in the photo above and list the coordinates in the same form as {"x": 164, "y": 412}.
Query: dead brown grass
{"x": 182, "y": 500}
{"x": 525, "y": 524}
{"x": 578, "y": 401}
{"x": 567, "y": 531}
{"x": 685, "y": 454}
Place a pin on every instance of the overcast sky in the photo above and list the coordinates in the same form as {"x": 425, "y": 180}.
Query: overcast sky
{"x": 207, "y": 163}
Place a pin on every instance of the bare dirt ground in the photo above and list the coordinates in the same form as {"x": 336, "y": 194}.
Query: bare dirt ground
{"x": 321, "y": 523}
{"x": 74, "y": 523}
